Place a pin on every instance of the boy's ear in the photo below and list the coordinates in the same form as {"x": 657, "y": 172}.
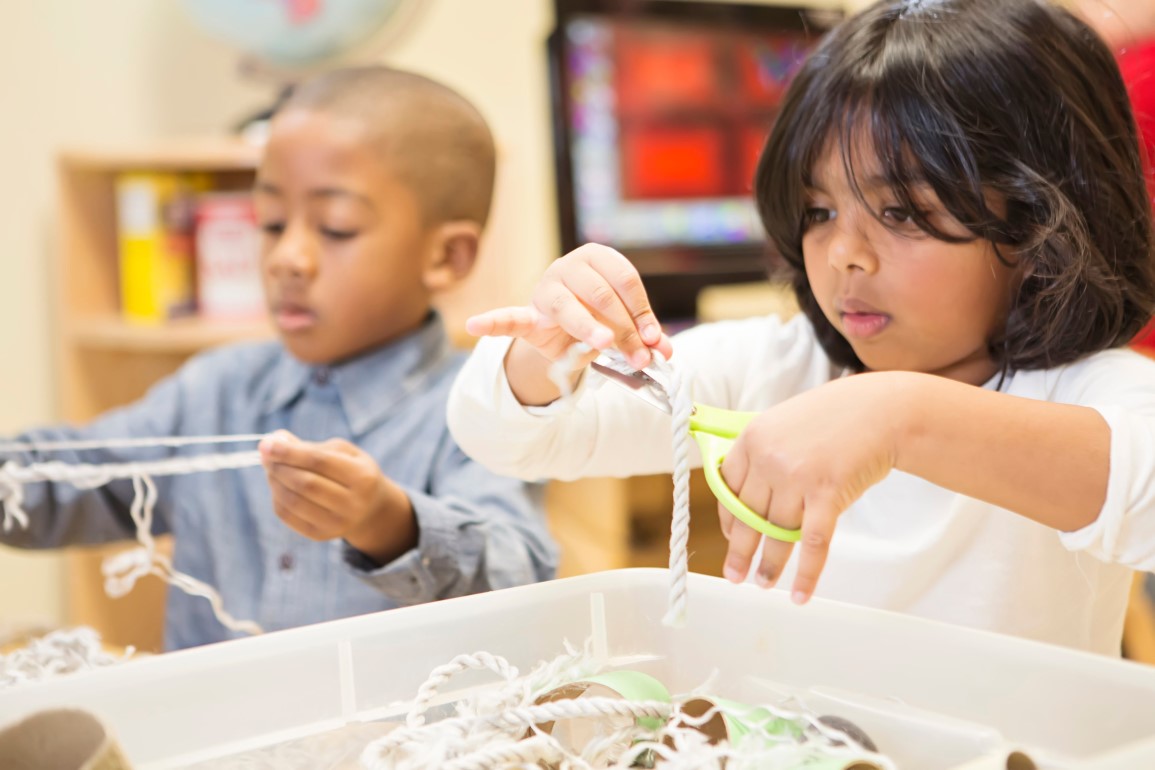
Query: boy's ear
{"x": 453, "y": 250}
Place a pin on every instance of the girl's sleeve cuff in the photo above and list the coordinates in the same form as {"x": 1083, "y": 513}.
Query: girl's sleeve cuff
{"x": 1124, "y": 531}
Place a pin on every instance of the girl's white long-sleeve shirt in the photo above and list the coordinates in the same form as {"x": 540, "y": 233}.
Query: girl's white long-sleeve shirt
{"x": 906, "y": 545}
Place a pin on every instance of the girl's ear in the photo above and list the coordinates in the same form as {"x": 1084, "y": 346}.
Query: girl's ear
{"x": 452, "y": 252}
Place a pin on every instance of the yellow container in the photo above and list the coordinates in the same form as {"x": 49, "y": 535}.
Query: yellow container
{"x": 155, "y": 226}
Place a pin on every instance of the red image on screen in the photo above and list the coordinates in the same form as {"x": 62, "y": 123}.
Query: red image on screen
{"x": 693, "y": 107}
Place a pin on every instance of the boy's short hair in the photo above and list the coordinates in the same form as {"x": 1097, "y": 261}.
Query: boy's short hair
{"x": 435, "y": 141}
{"x": 1015, "y": 98}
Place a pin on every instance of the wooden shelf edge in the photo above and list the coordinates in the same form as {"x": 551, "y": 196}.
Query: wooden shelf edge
{"x": 199, "y": 154}
{"x": 176, "y": 337}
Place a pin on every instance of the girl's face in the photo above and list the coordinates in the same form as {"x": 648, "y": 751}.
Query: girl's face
{"x": 904, "y": 300}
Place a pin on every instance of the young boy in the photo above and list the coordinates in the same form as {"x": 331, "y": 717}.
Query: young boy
{"x": 372, "y": 195}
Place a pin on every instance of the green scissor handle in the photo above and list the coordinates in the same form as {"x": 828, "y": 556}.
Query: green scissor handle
{"x": 715, "y": 431}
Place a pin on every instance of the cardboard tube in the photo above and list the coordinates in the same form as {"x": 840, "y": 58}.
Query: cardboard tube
{"x": 733, "y": 721}
{"x": 628, "y": 685}
{"x": 61, "y": 739}
{"x": 1013, "y": 760}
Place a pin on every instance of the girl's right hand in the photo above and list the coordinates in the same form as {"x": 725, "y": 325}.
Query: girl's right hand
{"x": 592, "y": 295}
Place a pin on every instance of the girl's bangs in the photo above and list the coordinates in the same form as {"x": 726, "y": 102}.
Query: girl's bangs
{"x": 889, "y": 138}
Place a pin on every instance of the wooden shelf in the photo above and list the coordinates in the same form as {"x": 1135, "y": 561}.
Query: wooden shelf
{"x": 103, "y": 360}
{"x": 185, "y": 336}
{"x": 200, "y": 154}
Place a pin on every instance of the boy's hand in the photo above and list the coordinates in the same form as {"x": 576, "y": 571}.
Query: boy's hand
{"x": 801, "y": 464}
{"x": 334, "y": 489}
{"x": 593, "y": 295}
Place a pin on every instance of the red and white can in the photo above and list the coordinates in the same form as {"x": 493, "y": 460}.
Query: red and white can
{"x": 228, "y": 246}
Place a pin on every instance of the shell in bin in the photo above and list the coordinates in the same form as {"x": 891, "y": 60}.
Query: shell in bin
{"x": 932, "y": 696}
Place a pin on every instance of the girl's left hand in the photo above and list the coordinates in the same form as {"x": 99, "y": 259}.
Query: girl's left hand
{"x": 802, "y": 463}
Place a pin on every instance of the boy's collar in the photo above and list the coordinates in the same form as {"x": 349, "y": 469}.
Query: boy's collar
{"x": 371, "y": 384}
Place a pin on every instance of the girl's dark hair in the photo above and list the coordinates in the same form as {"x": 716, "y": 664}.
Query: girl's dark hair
{"x": 1012, "y": 97}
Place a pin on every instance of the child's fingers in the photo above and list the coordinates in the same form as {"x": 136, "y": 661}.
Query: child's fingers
{"x": 303, "y": 515}
{"x": 598, "y": 294}
{"x": 817, "y": 532}
{"x": 785, "y": 510}
{"x": 318, "y": 489}
{"x": 306, "y": 456}
{"x": 743, "y": 541}
{"x": 775, "y": 554}
{"x": 740, "y": 552}
{"x": 725, "y": 521}
{"x": 751, "y": 484}
{"x": 734, "y": 469}
{"x": 346, "y": 448}
{"x": 664, "y": 346}
{"x": 558, "y": 303}
{"x": 282, "y": 436}
{"x": 359, "y": 471}
{"x": 627, "y": 284}
{"x": 504, "y": 322}
{"x": 301, "y": 526}
{"x": 273, "y": 442}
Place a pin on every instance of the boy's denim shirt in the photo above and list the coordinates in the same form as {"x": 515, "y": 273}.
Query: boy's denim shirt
{"x": 478, "y": 531}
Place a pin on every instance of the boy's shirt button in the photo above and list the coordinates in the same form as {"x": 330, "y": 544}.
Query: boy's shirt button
{"x": 286, "y": 562}
{"x": 322, "y": 375}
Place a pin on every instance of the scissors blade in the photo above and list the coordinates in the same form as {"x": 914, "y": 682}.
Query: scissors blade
{"x": 640, "y": 384}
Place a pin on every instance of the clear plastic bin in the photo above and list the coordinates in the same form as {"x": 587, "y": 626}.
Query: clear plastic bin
{"x": 931, "y": 695}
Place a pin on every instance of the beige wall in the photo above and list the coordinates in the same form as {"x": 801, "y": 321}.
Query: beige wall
{"x": 74, "y": 72}
{"x": 84, "y": 73}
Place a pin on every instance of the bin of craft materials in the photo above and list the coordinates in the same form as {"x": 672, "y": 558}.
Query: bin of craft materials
{"x": 926, "y": 695}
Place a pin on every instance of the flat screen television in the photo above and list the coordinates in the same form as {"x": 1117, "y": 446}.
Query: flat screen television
{"x": 659, "y": 110}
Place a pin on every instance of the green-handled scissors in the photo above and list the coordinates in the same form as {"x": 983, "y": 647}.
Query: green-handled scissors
{"x": 714, "y": 429}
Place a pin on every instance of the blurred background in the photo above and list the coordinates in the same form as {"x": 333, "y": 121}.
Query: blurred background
{"x": 631, "y": 122}
{"x": 109, "y": 83}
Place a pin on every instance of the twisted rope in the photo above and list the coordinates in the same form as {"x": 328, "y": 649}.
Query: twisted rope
{"x": 123, "y": 570}
{"x": 126, "y": 443}
{"x": 55, "y": 654}
{"x": 13, "y": 476}
{"x": 509, "y": 725}
{"x": 682, "y": 406}
{"x": 442, "y": 674}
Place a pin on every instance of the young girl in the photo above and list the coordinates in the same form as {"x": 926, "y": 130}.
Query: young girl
{"x": 957, "y": 188}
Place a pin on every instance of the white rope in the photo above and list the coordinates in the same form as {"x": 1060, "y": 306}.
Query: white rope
{"x": 13, "y": 476}
{"x": 681, "y": 402}
{"x": 441, "y": 675}
{"x": 682, "y": 406}
{"x": 537, "y": 751}
{"x": 562, "y": 369}
{"x": 123, "y": 570}
{"x": 509, "y": 725}
{"x": 125, "y": 443}
{"x": 459, "y": 737}
{"x": 55, "y": 654}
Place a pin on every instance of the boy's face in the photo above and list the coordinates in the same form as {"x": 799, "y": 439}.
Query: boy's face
{"x": 902, "y": 299}
{"x": 344, "y": 242}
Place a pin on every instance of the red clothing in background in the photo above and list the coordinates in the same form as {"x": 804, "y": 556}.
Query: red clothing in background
{"x": 1137, "y": 63}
